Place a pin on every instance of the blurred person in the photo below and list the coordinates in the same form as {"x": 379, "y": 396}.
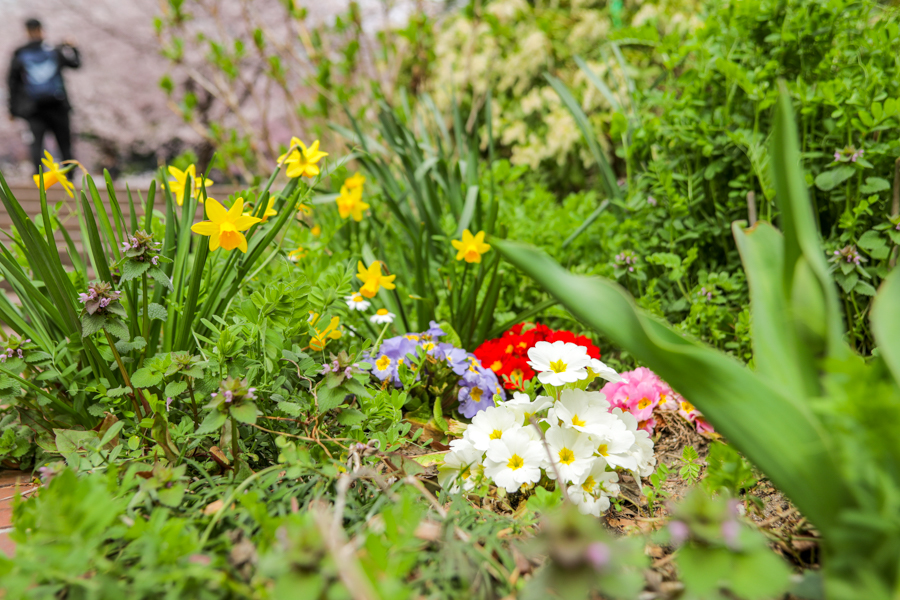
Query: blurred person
{"x": 37, "y": 92}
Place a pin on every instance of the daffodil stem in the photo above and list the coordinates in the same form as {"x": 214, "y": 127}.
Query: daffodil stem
{"x": 112, "y": 346}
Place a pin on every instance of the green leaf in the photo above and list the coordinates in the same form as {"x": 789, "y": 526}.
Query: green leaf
{"x": 118, "y": 392}
{"x": 91, "y": 324}
{"x": 864, "y": 288}
{"x": 157, "y": 311}
{"x": 175, "y": 388}
{"x": 290, "y": 408}
{"x": 874, "y": 184}
{"x": 848, "y": 282}
{"x": 245, "y": 412}
{"x": 329, "y": 398}
{"x": 828, "y": 180}
{"x": 117, "y": 328}
{"x": 885, "y": 322}
{"x": 212, "y": 423}
{"x": 350, "y": 416}
{"x": 159, "y": 276}
{"x": 146, "y": 377}
{"x": 871, "y": 240}
{"x": 132, "y": 269}
{"x": 136, "y": 344}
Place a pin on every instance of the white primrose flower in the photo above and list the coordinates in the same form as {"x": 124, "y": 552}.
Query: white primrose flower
{"x": 614, "y": 441}
{"x": 591, "y": 494}
{"x": 585, "y": 411}
{"x": 490, "y": 424}
{"x": 514, "y": 461}
{"x": 357, "y": 302}
{"x": 642, "y": 448}
{"x": 572, "y": 453}
{"x": 598, "y": 368}
{"x": 461, "y": 466}
{"x": 382, "y": 316}
{"x": 524, "y": 407}
{"x": 559, "y": 363}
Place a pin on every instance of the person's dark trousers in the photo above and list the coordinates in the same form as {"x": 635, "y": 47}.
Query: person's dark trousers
{"x": 55, "y": 118}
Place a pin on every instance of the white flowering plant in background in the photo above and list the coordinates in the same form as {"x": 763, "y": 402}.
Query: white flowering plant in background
{"x": 568, "y": 437}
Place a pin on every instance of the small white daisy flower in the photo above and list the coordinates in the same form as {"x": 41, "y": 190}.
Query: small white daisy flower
{"x": 382, "y": 316}
{"x": 559, "y": 363}
{"x": 514, "y": 461}
{"x": 357, "y": 302}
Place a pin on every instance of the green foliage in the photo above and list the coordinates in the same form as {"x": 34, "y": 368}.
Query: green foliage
{"x": 793, "y": 416}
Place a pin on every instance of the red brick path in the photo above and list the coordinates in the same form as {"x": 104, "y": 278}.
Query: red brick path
{"x": 11, "y": 482}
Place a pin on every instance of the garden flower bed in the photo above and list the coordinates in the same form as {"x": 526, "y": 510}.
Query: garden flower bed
{"x": 407, "y": 371}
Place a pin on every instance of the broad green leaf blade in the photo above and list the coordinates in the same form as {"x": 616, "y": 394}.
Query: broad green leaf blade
{"x": 777, "y": 352}
{"x": 801, "y": 238}
{"x": 772, "y": 428}
{"x": 885, "y": 322}
{"x": 587, "y": 223}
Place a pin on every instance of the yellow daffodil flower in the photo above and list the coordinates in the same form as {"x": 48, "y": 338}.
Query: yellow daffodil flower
{"x": 301, "y": 161}
{"x": 373, "y": 279}
{"x": 356, "y": 181}
{"x": 269, "y": 212}
{"x": 179, "y": 183}
{"x": 224, "y": 227}
{"x": 350, "y": 203}
{"x": 316, "y": 231}
{"x": 471, "y": 247}
{"x": 331, "y": 332}
{"x": 53, "y": 174}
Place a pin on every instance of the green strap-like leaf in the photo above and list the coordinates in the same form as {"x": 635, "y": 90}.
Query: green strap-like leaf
{"x": 886, "y": 322}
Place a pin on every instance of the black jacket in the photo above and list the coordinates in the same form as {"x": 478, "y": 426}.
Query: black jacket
{"x": 20, "y": 104}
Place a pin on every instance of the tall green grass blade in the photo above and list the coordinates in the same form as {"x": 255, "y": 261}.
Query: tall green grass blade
{"x": 468, "y": 212}
{"x": 587, "y": 223}
{"x": 74, "y": 255}
{"x": 101, "y": 265}
{"x": 886, "y": 322}
{"x": 132, "y": 214}
{"x": 103, "y": 218}
{"x": 599, "y": 84}
{"x": 148, "y": 208}
{"x": 114, "y": 206}
{"x": 772, "y": 428}
{"x": 606, "y": 173}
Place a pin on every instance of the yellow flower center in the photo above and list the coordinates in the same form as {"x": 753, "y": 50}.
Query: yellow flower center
{"x": 496, "y": 434}
{"x": 603, "y": 450}
{"x": 515, "y": 462}
{"x": 383, "y": 363}
{"x": 381, "y": 312}
{"x": 644, "y": 403}
{"x": 465, "y": 472}
{"x": 475, "y": 393}
{"x": 357, "y": 298}
{"x": 558, "y": 366}
{"x": 428, "y": 346}
{"x": 566, "y": 456}
{"x": 577, "y": 422}
{"x": 496, "y": 366}
{"x": 510, "y": 349}
{"x": 412, "y": 337}
{"x": 589, "y": 484}
{"x": 687, "y": 407}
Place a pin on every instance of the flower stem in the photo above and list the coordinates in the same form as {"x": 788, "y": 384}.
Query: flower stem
{"x": 145, "y": 298}
{"x": 234, "y": 443}
{"x": 193, "y": 403}
{"x": 112, "y": 346}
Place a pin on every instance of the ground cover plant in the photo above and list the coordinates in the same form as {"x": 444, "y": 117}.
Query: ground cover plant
{"x": 349, "y": 381}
